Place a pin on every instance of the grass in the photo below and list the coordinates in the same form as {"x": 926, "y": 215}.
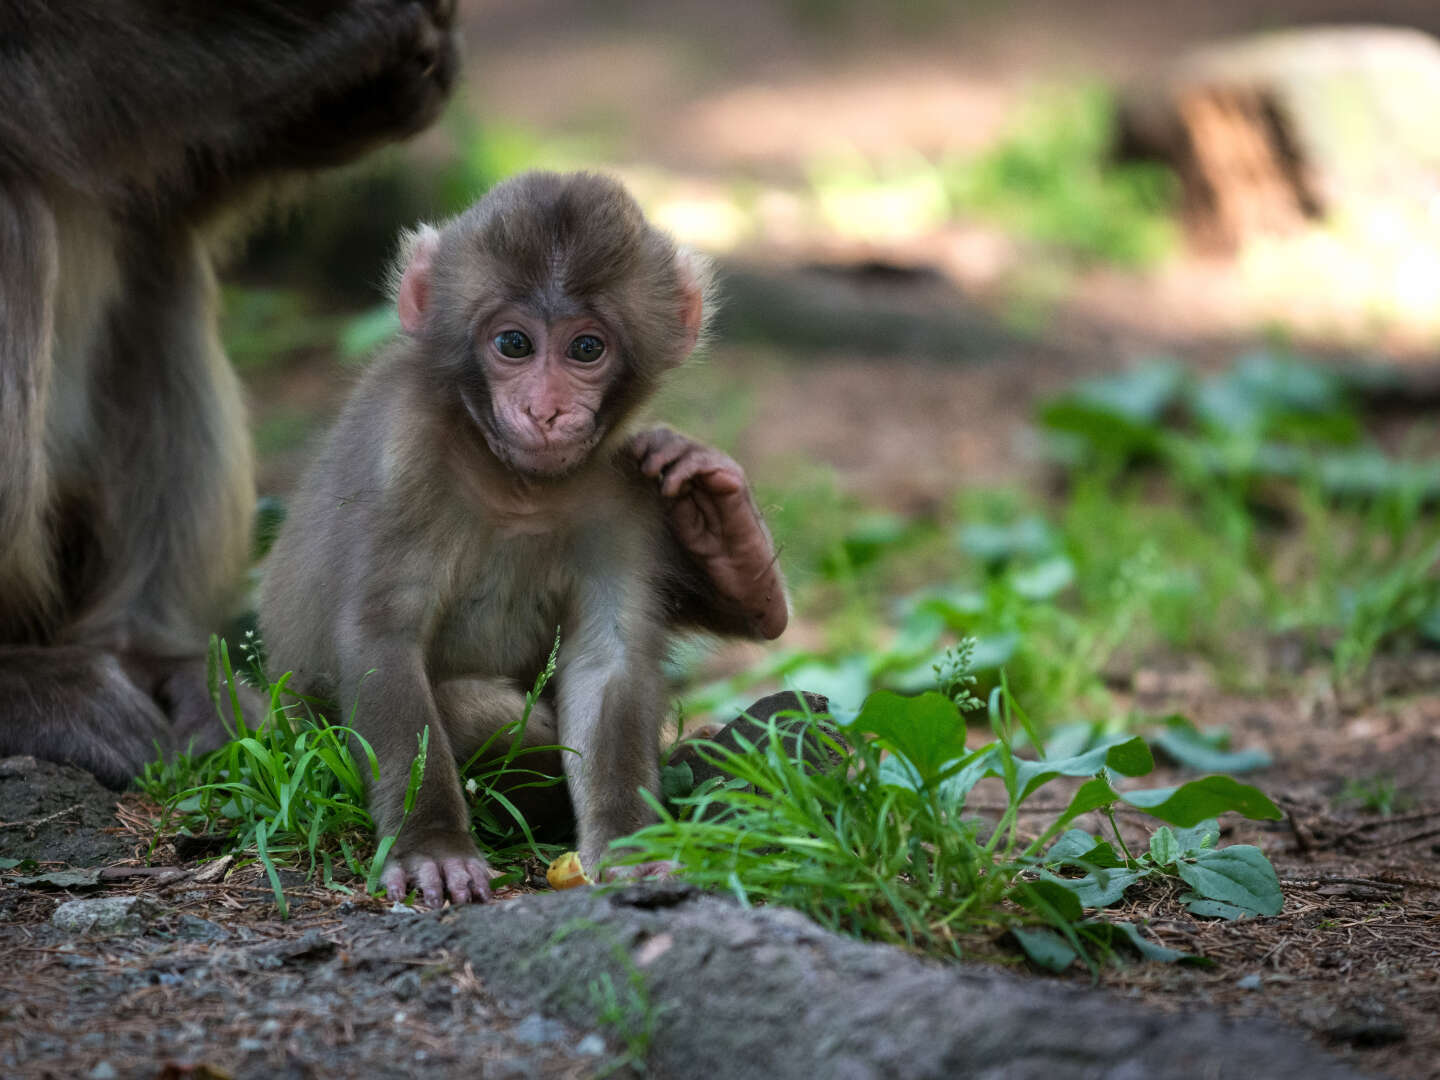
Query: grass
{"x": 880, "y": 842}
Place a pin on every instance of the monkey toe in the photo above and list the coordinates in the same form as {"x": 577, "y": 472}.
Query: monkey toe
{"x": 461, "y": 879}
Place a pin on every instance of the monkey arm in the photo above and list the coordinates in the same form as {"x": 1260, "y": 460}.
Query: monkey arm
{"x": 727, "y": 575}
{"x": 168, "y": 97}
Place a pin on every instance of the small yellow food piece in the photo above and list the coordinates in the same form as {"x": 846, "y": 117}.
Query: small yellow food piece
{"x": 567, "y": 873}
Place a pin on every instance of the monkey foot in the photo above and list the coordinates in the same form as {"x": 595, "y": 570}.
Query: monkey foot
{"x": 457, "y": 878}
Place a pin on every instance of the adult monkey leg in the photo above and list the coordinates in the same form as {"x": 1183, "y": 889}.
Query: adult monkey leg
{"x": 54, "y": 702}
{"x": 130, "y": 128}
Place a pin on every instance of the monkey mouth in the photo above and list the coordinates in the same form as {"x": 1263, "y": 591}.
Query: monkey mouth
{"x": 549, "y": 460}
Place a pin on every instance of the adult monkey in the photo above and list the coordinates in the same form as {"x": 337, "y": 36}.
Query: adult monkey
{"x": 131, "y": 129}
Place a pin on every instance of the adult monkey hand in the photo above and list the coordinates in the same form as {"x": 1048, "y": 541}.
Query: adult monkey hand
{"x": 713, "y": 516}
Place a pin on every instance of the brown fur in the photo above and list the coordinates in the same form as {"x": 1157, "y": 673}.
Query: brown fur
{"x": 129, "y": 129}
{"x": 422, "y": 574}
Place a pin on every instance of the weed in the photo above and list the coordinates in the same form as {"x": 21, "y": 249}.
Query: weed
{"x": 881, "y": 845}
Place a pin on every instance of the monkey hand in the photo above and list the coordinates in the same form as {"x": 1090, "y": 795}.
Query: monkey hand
{"x": 401, "y": 65}
{"x": 439, "y": 867}
{"x": 714, "y": 517}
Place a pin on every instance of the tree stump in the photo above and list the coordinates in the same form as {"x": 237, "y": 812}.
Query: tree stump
{"x": 1270, "y": 132}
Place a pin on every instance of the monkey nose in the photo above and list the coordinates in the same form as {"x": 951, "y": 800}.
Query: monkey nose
{"x": 545, "y": 416}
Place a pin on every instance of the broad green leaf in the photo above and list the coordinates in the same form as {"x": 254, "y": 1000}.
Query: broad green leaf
{"x": 1190, "y": 804}
{"x": 1164, "y": 848}
{"x": 1072, "y": 844}
{"x": 993, "y": 543}
{"x": 1201, "y": 837}
{"x": 1145, "y": 947}
{"x": 1045, "y": 948}
{"x": 1044, "y": 580}
{"x": 1091, "y": 795}
{"x": 1126, "y": 756}
{"x": 1048, "y": 897}
{"x": 927, "y": 730}
{"x": 1240, "y": 875}
{"x": 1100, "y": 888}
{"x": 1213, "y": 909}
{"x": 1205, "y": 752}
{"x": 955, "y": 789}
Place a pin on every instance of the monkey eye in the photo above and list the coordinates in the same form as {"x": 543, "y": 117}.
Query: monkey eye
{"x": 587, "y": 348}
{"x": 514, "y": 344}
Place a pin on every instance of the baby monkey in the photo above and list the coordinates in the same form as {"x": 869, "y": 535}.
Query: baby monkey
{"x": 481, "y": 489}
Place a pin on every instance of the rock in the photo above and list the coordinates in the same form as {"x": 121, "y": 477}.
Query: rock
{"x": 70, "y": 811}
{"x": 798, "y": 735}
{"x": 106, "y": 915}
{"x": 765, "y": 992}
{"x": 536, "y": 1029}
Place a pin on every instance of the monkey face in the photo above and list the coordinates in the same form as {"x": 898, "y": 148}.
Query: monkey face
{"x": 547, "y": 381}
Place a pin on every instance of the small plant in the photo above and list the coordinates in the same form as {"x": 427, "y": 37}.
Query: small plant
{"x": 1378, "y": 794}
{"x": 293, "y": 789}
{"x": 882, "y": 846}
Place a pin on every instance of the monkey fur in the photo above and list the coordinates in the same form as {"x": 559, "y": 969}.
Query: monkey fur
{"x": 483, "y": 488}
{"x": 131, "y": 132}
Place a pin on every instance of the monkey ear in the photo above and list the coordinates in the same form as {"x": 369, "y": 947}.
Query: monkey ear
{"x": 696, "y": 299}
{"x": 417, "y": 258}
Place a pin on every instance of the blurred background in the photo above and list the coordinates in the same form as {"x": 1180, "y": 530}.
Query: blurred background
{"x": 1105, "y": 332}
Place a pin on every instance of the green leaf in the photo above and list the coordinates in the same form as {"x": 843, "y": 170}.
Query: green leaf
{"x": 1074, "y": 844}
{"x": 1100, "y": 888}
{"x": 1190, "y": 804}
{"x": 1045, "y": 948}
{"x": 1146, "y": 948}
{"x": 1048, "y": 897}
{"x": 1239, "y": 875}
{"x": 1126, "y": 756}
{"x": 1164, "y": 847}
{"x": 994, "y": 543}
{"x": 1044, "y": 580}
{"x": 676, "y": 780}
{"x": 1200, "y": 838}
{"x": 1091, "y": 795}
{"x": 1213, "y": 909}
{"x": 1206, "y": 752}
{"x": 846, "y": 682}
{"x": 927, "y": 731}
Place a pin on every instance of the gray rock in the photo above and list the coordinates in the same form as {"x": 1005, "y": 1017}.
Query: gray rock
{"x": 729, "y": 992}
{"x": 535, "y": 1030}
{"x": 106, "y": 915}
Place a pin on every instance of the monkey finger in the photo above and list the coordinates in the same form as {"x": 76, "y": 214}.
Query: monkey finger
{"x": 663, "y": 457}
{"x": 715, "y": 473}
{"x": 467, "y": 879}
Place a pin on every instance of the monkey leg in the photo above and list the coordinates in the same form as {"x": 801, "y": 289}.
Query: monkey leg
{"x": 476, "y": 710}
{"x": 163, "y": 523}
{"x": 80, "y": 707}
